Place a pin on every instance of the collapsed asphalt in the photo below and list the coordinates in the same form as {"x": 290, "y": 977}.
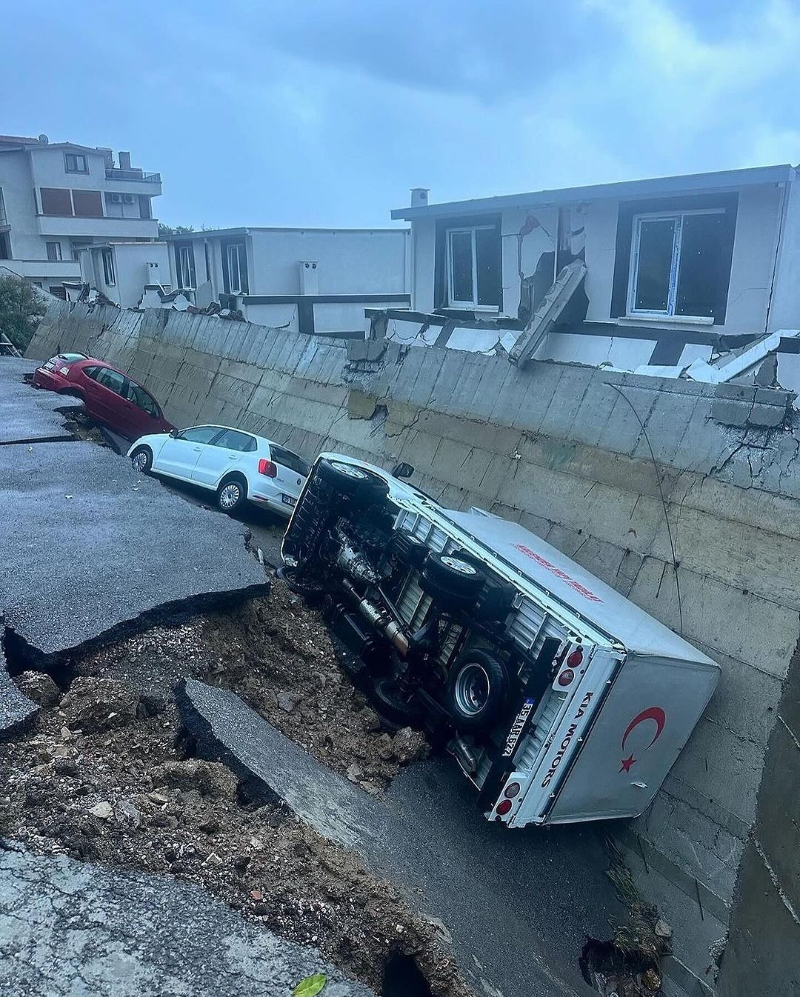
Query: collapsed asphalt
{"x": 28, "y": 414}
{"x": 519, "y": 904}
{"x": 88, "y": 545}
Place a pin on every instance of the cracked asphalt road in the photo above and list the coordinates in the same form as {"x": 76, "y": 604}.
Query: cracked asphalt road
{"x": 69, "y": 929}
{"x": 519, "y": 904}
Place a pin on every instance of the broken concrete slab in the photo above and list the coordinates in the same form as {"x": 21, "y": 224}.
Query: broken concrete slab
{"x": 547, "y": 889}
{"x": 30, "y": 414}
{"x": 16, "y": 710}
{"x": 89, "y": 547}
{"x": 69, "y": 928}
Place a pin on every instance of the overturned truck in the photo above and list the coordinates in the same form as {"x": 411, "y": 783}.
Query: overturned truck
{"x": 560, "y": 700}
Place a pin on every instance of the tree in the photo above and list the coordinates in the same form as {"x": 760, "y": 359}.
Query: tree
{"x": 20, "y": 310}
{"x": 174, "y": 229}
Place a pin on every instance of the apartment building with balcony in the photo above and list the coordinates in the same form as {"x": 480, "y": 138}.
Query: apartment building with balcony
{"x": 58, "y": 198}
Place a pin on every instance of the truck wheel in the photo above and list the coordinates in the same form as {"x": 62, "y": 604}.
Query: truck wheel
{"x": 394, "y": 706}
{"x": 477, "y": 687}
{"x": 354, "y": 481}
{"x": 451, "y": 578}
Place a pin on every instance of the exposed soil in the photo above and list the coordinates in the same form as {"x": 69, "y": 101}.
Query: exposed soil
{"x": 104, "y": 776}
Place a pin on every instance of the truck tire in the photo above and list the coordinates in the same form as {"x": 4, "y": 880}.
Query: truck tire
{"x": 393, "y": 706}
{"x": 451, "y": 578}
{"x": 356, "y": 482}
{"x": 477, "y": 688}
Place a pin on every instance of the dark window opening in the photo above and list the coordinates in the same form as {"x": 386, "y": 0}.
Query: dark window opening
{"x": 108, "y": 266}
{"x": 56, "y": 201}
{"x": 234, "y": 268}
{"x": 184, "y": 265}
{"x": 468, "y": 266}
{"x": 5, "y": 249}
{"x": 53, "y": 251}
{"x": 145, "y": 211}
{"x": 88, "y": 203}
{"x": 673, "y": 257}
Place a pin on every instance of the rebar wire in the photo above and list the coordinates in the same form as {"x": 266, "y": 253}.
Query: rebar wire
{"x": 622, "y": 394}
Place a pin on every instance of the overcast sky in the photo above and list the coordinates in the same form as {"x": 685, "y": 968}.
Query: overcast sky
{"x": 325, "y": 112}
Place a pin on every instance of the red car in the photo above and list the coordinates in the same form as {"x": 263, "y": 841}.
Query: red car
{"x": 108, "y": 395}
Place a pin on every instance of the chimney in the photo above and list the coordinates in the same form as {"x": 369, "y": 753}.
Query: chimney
{"x": 419, "y": 196}
{"x": 309, "y": 277}
{"x": 124, "y": 160}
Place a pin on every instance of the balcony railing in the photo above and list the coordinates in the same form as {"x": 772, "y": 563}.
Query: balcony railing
{"x": 117, "y": 174}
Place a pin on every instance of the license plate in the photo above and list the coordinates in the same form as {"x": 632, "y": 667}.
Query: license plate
{"x": 288, "y": 500}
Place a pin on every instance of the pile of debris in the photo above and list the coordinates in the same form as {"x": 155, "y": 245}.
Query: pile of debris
{"x": 107, "y": 774}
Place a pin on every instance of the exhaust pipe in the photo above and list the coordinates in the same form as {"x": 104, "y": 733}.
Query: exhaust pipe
{"x": 378, "y": 619}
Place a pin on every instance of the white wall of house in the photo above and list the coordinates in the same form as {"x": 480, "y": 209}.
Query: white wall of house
{"x": 349, "y": 261}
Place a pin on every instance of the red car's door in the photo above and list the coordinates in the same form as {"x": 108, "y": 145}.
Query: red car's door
{"x": 141, "y": 410}
{"x": 95, "y": 394}
{"x": 108, "y": 401}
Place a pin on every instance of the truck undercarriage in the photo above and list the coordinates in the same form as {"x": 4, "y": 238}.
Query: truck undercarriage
{"x": 446, "y": 642}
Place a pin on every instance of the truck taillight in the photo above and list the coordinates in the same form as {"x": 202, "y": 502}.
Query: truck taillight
{"x": 511, "y": 790}
{"x": 267, "y": 467}
{"x": 566, "y": 677}
{"x": 503, "y": 807}
{"x": 575, "y": 658}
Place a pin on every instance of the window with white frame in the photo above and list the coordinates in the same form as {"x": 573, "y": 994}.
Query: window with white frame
{"x": 54, "y": 251}
{"x": 108, "y": 267}
{"x": 236, "y": 276}
{"x": 676, "y": 259}
{"x": 473, "y": 267}
{"x": 184, "y": 264}
{"x": 75, "y": 163}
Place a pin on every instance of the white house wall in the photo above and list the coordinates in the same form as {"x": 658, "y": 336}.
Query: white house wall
{"x": 17, "y": 186}
{"x": 754, "y": 250}
{"x": 785, "y": 311}
{"x": 349, "y": 262}
{"x": 133, "y": 272}
{"x": 423, "y": 272}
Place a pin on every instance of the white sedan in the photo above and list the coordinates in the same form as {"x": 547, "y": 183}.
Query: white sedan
{"x": 240, "y": 467}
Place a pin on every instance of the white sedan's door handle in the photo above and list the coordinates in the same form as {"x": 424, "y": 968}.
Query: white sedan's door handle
{"x": 232, "y": 456}
{"x": 197, "y": 449}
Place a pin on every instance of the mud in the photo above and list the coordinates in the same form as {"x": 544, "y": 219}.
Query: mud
{"x": 106, "y": 774}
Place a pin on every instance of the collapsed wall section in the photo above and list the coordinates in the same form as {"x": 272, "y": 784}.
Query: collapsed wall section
{"x": 683, "y": 496}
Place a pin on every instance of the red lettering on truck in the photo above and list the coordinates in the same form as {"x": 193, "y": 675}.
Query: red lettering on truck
{"x": 576, "y": 586}
{"x": 567, "y": 740}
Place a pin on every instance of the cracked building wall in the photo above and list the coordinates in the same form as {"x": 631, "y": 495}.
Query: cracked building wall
{"x": 556, "y": 448}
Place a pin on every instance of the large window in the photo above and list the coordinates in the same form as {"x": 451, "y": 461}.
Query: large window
{"x": 473, "y": 267}
{"x": 674, "y": 263}
{"x": 673, "y": 257}
{"x": 235, "y": 259}
{"x": 88, "y": 203}
{"x": 184, "y": 265}
{"x": 53, "y": 251}
{"x": 56, "y": 201}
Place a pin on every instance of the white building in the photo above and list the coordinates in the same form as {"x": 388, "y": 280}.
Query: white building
{"x": 665, "y": 271}
{"x": 58, "y": 198}
{"x": 306, "y": 280}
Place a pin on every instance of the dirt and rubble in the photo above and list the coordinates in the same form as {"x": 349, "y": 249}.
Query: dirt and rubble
{"x": 106, "y": 774}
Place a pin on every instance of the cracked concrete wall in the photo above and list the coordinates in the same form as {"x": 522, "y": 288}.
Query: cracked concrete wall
{"x": 560, "y": 449}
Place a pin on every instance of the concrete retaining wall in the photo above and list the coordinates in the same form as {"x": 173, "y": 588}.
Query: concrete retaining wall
{"x": 566, "y": 451}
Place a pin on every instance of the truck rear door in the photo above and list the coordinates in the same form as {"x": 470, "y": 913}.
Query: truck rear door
{"x": 644, "y": 722}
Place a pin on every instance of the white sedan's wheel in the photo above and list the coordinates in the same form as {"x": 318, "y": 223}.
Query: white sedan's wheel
{"x": 141, "y": 460}
{"x": 231, "y": 495}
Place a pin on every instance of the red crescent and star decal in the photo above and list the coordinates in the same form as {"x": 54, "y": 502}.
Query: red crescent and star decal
{"x": 654, "y": 713}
